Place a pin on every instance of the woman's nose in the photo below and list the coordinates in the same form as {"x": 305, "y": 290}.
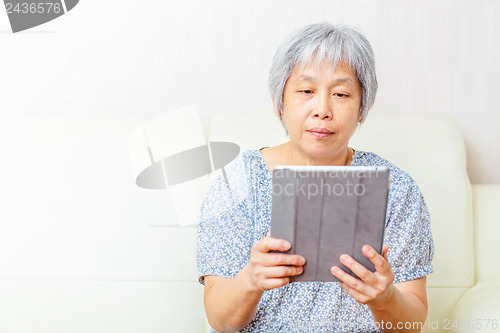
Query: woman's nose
{"x": 323, "y": 108}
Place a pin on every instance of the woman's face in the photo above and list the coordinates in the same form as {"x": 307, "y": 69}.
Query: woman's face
{"x": 321, "y": 109}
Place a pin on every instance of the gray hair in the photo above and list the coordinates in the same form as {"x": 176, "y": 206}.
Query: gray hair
{"x": 319, "y": 42}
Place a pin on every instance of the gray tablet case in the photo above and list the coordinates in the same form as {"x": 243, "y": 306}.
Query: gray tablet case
{"x": 326, "y": 211}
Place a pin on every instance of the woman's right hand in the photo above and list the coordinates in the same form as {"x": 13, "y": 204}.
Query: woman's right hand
{"x": 272, "y": 270}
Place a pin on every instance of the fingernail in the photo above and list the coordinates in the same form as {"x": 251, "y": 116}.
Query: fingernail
{"x": 288, "y": 245}
{"x": 343, "y": 257}
{"x": 335, "y": 269}
{"x": 299, "y": 270}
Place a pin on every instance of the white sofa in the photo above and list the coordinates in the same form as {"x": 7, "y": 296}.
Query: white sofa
{"x": 79, "y": 250}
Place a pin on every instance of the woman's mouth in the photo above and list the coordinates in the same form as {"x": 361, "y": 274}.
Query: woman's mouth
{"x": 320, "y": 132}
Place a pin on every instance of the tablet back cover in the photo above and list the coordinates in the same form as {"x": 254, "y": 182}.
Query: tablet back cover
{"x": 326, "y": 211}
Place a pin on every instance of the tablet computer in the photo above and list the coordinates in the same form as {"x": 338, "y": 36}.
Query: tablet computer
{"x": 327, "y": 211}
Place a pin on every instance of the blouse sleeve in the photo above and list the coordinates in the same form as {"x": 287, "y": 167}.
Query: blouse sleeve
{"x": 408, "y": 231}
{"x": 224, "y": 224}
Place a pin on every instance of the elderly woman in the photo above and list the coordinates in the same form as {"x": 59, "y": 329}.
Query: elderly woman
{"x": 322, "y": 83}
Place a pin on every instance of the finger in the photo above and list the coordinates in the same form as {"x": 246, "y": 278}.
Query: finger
{"x": 272, "y": 244}
{"x": 381, "y": 264}
{"x": 282, "y": 271}
{"x": 281, "y": 259}
{"x": 361, "y": 271}
{"x": 349, "y": 280}
{"x": 268, "y": 234}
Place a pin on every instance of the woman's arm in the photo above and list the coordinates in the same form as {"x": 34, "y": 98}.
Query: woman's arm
{"x": 406, "y": 310}
{"x": 231, "y": 304}
{"x": 398, "y": 307}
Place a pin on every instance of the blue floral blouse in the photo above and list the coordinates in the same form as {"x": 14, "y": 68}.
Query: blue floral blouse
{"x": 237, "y": 214}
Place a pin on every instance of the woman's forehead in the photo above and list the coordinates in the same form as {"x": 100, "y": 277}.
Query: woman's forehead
{"x": 312, "y": 69}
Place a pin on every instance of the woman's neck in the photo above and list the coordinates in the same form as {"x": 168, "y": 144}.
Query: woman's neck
{"x": 282, "y": 155}
{"x": 296, "y": 157}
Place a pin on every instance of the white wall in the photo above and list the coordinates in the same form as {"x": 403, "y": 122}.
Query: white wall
{"x": 129, "y": 58}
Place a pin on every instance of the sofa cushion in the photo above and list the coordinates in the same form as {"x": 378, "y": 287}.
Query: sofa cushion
{"x": 441, "y": 302}
{"x": 80, "y": 306}
{"x": 478, "y": 309}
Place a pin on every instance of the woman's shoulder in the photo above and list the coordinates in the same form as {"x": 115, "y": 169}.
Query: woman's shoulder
{"x": 397, "y": 176}
{"x": 230, "y": 185}
{"x": 248, "y": 162}
{"x": 239, "y": 174}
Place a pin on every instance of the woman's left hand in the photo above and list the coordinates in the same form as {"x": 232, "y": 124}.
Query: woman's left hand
{"x": 372, "y": 288}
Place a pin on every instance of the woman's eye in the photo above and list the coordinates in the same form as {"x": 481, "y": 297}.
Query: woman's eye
{"x": 340, "y": 95}
{"x": 307, "y": 92}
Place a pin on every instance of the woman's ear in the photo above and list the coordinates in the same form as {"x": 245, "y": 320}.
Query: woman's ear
{"x": 274, "y": 108}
